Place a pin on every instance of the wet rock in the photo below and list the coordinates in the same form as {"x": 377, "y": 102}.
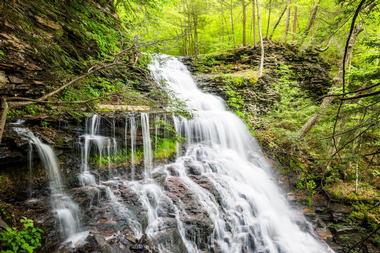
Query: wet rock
{"x": 48, "y": 23}
{"x": 198, "y": 224}
{"x": 343, "y": 229}
{"x": 193, "y": 168}
{"x": 324, "y": 233}
{"x": 3, "y": 80}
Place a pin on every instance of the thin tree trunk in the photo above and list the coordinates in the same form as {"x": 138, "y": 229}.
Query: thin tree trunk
{"x": 337, "y": 82}
{"x": 295, "y": 19}
{"x": 311, "y": 20}
{"x": 222, "y": 21}
{"x": 278, "y": 21}
{"x": 253, "y": 22}
{"x": 268, "y": 23}
{"x": 232, "y": 22}
{"x": 3, "y": 116}
{"x": 196, "y": 40}
{"x": 287, "y": 22}
{"x": 244, "y": 22}
{"x": 261, "y": 67}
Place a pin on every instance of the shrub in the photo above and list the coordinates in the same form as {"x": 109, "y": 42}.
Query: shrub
{"x": 28, "y": 239}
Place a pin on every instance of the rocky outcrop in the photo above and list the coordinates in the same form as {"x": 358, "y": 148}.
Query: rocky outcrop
{"x": 311, "y": 72}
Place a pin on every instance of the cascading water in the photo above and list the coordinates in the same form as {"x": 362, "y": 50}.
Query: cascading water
{"x": 248, "y": 211}
{"x": 66, "y": 211}
{"x": 218, "y": 195}
{"x": 147, "y": 144}
{"x": 103, "y": 144}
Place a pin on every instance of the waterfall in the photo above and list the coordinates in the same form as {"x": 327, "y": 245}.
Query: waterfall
{"x": 218, "y": 195}
{"x": 147, "y": 144}
{"x": 102, "y": 144}
{"x": 66, "y": 211}
{"x": 251, "y": 214}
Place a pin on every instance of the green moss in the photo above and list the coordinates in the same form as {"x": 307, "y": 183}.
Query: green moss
{"x": 345, "y": 191}
{"x": 165, "y": 149}
{"x": 121, "y": 158}
{"x": 2, "y": 54}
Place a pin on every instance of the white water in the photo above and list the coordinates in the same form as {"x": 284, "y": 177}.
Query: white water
{"x": 147, "y": 144}
{"x": 66, "y": 211}
{"x": 252, "y": 214}
{"x": 103, "y": 145}
{"x": 220, "y": 182}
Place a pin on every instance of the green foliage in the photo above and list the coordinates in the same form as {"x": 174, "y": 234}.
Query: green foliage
{"x": 27, "y": 240}
{"x": 2, "y": 54}
{"x": 121, "y": 158}
{"x": 164, "y": 149}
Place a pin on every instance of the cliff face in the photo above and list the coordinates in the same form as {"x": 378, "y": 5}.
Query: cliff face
{"x": 44, "y": 42}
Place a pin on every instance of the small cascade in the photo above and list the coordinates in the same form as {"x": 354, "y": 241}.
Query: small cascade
{"x": 148, "y": 153}
{"x": 66, "y": 211}
{"x": 102, "y": 144}
{"x": 133, "y": 129}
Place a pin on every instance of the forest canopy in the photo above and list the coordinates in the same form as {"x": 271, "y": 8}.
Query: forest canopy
{"x": 189, "y": 27}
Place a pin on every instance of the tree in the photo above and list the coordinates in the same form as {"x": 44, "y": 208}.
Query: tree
{"x": 268, "y": 23}
{"x": 311, "y": 20}
{"x": 340, "y": 78}
{"x": 232, "y": 22}
{"x": 253, "y": 22}
{"x": 261, "y": 67}
{"x": 287, "y": 21}
{"x": 278, "y": 20}
{"x": 295, "y": 19}
{"x": 244, "y": 22}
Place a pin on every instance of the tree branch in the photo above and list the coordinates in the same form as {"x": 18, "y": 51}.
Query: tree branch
{"x": 344, "y": 66}
{"x": 351, "y": 92}
{"x": 362, "y": 95}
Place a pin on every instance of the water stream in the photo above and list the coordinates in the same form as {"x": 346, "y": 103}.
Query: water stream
{"x": 247, "y": 209}
{"x": 217, "y": 196}
{"x": 64, "y": 208}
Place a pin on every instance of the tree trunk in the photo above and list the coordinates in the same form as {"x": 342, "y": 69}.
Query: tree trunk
{"x": 196, "y": 40}
{"x": 337, "y": 82}
{"x": 261, "y": 67}
{"x": 311, "y": 20}
{"x": 268, "y": 23}
{"x": 3, "y": 116}
{"x": 253, "y": 22}
{"x": 295, "y": 19}
{"x": 278, "y": 21}
{"x": 287, "y": 21}
{"x": 222, "y": 22}
{"x": 232, "y": 22}
{"x": 244, "y": 22}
